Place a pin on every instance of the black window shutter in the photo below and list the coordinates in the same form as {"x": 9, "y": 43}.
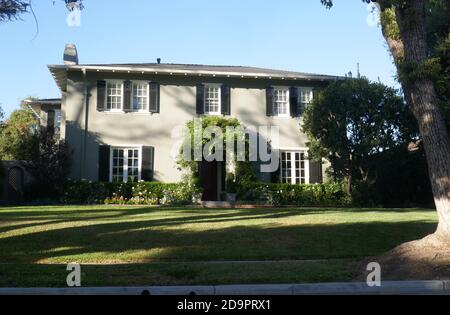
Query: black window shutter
{"x": 275, "y": 176}
{"x": 101, "y": 95}
{"x": 148, "y": 162}
{"x": 127, "y": 91}
{"x": 104, "y": 156}
{"x": 51, "y": 121}
{"x": 225, "y": 91}
{"x": 269, "y": 101}
{"x": 155, "y": 98}
{"x": 200, "y": 99}
{"x": 315, "y": 172}
{"x": 293, "y": 101}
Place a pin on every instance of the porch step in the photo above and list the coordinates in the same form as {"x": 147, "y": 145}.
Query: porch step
{"x": 218, "y": 204}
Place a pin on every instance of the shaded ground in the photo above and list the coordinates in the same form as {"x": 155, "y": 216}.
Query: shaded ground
{"x": 425, "y": 259}
{"x": 160, "y": 243}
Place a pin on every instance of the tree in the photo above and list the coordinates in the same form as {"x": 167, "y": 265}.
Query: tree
{"x": 439, "y": 45}
{"x": 19, "y": 136}
{"x": 48, "y": 166}
{"x": 353, "y": 120}
{"x": 404, "y": 26}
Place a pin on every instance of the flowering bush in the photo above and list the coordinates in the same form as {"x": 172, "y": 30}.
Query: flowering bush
{"x": 143, "y": 193}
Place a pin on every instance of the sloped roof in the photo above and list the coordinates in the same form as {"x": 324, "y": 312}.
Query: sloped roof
{"x": 59, "y": 72}
{"x": 45, "y": 101}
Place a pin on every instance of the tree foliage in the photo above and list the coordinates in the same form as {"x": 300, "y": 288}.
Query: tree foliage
{"x": 19, "y": 135}
{"x": 354, "y": 119}
{"x": 48, "y": 165}
{"x": 12, "y": 9}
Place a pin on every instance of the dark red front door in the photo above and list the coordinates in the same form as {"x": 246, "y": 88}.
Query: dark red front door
{"x": 209, "y": 180}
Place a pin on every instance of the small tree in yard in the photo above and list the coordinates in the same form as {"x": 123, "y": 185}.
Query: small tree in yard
{"x": 48, "y": 165}
{"x": 19, "y": 136}
{"x": 353, "y": 120}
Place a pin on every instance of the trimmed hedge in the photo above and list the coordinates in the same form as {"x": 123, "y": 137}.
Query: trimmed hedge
{"x": 84, "y": 192}
{"x": 330, "y": 194}
{"x": 144, "y": 193}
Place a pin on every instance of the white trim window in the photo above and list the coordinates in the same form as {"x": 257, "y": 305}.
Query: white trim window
{"x": 281, "y": 102}
{"x": 212, "y": 99}
{"x": 114, "y": 96}
{"x": 306, "y": 96}
{"x": 126, "y": 164}
{"x": 140, "y": 96}
{"x": 294, "y": 167}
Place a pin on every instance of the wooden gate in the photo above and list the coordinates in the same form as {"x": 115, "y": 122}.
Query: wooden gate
{"x": 15, "y": 184}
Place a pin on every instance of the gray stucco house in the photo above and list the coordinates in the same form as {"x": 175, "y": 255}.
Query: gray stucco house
{"x": 118, "y": 118}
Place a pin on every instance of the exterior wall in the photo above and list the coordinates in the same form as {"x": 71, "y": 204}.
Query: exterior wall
{"x": 178, "y": 105}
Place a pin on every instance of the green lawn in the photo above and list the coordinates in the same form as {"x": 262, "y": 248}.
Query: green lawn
{"x": 148, "y": 246}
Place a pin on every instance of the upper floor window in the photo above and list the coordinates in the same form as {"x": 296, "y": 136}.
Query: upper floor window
{"x": 140, "y": 96}
{"x": 114, "y": 96}
{"x": 212, "y": 99}
{"x": 281, "y": 102}
{"x": 306, "y": 96}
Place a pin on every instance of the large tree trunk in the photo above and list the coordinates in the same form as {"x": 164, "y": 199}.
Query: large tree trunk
{"x": 421, "y": 94}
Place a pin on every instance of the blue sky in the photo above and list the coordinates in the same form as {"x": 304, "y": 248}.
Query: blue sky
{"x": 283, "y": 34}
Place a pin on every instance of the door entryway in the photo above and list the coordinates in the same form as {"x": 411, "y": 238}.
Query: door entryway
{"x": 212, "y": 178}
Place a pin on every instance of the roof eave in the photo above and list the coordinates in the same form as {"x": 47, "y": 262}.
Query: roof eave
{"x": 59, "y": 73}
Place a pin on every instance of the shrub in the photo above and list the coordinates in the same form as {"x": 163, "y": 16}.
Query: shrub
{"x": 142, "y": 193}
{"x": 330, "y": 194}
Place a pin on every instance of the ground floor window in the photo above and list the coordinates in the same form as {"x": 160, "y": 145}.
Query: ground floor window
{"x": 294, "y": 167}
{"x": 125, "y": 164}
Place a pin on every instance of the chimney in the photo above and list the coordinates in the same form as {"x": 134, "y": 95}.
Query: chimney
{"x": 158, "y": 60}
{"x": 70, "y": 55}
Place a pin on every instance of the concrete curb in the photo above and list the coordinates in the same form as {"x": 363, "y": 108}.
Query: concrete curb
{"x": 387, "y": 288}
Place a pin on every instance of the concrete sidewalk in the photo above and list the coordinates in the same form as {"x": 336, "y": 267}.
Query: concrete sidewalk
{"x": 392, "y": 287}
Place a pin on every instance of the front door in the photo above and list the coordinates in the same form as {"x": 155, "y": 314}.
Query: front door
{"x": 208, "y": 180}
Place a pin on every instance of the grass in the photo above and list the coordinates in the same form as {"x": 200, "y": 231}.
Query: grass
{"x": 154, "y": 246}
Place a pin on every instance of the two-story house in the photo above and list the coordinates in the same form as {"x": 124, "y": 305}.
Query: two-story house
{"x": 118, "y": 118}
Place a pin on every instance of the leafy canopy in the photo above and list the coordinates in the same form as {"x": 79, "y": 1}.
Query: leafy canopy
{"x": 18, "y": 135}
{"x": 353, "y": 119}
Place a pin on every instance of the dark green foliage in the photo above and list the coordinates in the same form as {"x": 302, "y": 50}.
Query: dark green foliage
{"x": 330, "y": 194}
{"x": 152, "y": 193}
{"x": 397, "y": 178}
{"x": 48, "y": 166}
{"x": 353, "y": 119}
{"x": 19, "y": 136}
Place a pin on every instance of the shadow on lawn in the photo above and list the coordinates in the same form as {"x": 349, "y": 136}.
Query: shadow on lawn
{"x": 160, "y": 240}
